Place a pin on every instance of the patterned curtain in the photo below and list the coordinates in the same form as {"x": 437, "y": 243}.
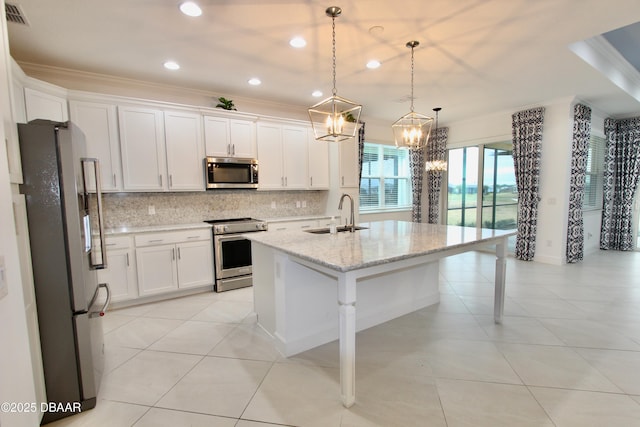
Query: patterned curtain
{"x": 580, "y": 152}
{"x": 437, "y": 151}
{"x": 360, "y": 152}
{"x": 527, "y": 153}
{"x": 416, "y": 165}
{"x": 621, "y": 172}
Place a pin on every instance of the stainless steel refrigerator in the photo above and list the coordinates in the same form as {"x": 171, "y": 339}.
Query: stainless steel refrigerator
{"x": 66, "y": 234}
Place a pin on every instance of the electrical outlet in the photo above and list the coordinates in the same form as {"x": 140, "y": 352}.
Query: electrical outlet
{"x": 298, "y": 204}
{"x": 273, "y": 205}
{"x": 304, "y": 203}
{"x": 4, "y": 285}
{"x": 152, "y": 210}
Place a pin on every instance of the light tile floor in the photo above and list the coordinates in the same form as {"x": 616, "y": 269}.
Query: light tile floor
{"x": 567, "y": 354}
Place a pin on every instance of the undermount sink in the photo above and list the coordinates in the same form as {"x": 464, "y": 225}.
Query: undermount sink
{"x": 340, "y": 229}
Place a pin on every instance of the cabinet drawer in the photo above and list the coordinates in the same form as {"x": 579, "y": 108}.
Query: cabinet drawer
{"x": 168, "y": 237}
{"x": 118, "y": 242}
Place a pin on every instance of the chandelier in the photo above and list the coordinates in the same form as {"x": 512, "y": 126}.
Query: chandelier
{"x": 412, "y": 130}
{"x": 335, "y": 118}
{"x": 433, "y": 164}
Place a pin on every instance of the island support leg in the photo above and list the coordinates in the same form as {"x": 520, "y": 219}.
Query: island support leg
{"x": 501, "y": 269}
{"x": 347, "y": 308}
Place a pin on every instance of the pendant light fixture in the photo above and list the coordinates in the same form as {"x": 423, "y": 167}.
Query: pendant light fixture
{"x": 433, "y": 164}
{"x": 412, "y": 130}
{"x": 335, "y": 118}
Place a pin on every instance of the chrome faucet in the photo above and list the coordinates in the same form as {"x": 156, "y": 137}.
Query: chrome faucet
{"x": 352, "y": 226}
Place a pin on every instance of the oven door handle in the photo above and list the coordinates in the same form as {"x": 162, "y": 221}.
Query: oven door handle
{"x": 228, "y": 238}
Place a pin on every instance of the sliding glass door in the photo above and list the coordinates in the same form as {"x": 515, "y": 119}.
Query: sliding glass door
{"x": 487, "y": 181}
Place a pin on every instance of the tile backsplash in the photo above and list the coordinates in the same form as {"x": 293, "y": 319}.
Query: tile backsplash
{"x": 148, "y": 209}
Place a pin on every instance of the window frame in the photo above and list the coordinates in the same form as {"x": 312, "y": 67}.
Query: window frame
{"x": 594, "y": 168}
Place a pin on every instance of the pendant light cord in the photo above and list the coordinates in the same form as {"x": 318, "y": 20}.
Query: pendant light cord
{"x": 412, "y": 78}
{"x": 333, "y": 28}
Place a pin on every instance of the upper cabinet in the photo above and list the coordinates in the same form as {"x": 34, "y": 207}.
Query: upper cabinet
{"x": 161, "y": 151}
{"x": 185, "y": 151}
{"x": 282, "y": 156}
{"x": 349, "y": 172}
{"x": 143, "y": 148}
{"x": 41, "y": 105}
{"x": 225, "y": 137}
{"x": 99, "y": 123}
{"x": 318, "y": 163}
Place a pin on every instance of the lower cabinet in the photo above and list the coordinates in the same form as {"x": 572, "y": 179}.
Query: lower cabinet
{"x": 120, "y": 273}
{"x": 170, "y": 261}
{"x": 151, "y": 264}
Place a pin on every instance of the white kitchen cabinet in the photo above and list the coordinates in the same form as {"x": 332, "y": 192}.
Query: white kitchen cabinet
{"x": 98, "y": 122}
{"x": 120, "y": 273}
{"x": 41, "y": 105}
{"x": 174, "y": 260}
{"x": 185, "y": 151}
{"x": 318, "y": 163}
{"x": 229, "y": 137}
{"x": 142, "y": 146}
{"x": 282, "y": 155}
{"x": 349, "y": 172}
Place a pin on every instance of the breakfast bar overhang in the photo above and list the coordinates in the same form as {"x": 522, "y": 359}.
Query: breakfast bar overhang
{"x": 306, "y": 285}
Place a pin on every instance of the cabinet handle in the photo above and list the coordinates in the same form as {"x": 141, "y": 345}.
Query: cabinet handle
{"x": 115, "y": 183}
{"x": 127, "y": 259}
{"x": 229, "y": 149}
{"x": 156, "y": 241}
{"x": 311, "y": 181}
{"x": 286, "y": 184}
{"x": 343, "y": 180}
{"x": 173, "y": 254}
{"x": 282, "y": 181}
{"x": 110, "y": 244}
{"x": 233, "y": 149}
{"x": 193, "y": 237}
{"x": 179, "y": 256}
{"x": 305, "y": 226}
{"x": 170, "y": 180}
{"x": 160, "y": 180}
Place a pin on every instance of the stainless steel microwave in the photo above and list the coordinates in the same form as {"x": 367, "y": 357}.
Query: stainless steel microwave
{"x": 230, "y": 172}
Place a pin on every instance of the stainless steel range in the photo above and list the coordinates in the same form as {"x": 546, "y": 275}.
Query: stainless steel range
{"x": 232, "y": 252}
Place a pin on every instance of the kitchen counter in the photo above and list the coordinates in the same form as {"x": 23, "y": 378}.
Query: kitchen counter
{"x": 381, "y": 242}
{"x": 156, "y": 228}
{"x": 391, "y": 266}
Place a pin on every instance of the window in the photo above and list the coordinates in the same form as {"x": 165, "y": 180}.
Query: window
{"x": 462, "y": 192}
{"x": 593, "y": 180}
{"x": 385, "y": 167}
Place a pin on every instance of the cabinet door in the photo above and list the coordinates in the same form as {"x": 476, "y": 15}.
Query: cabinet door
{"x": 349, "y": 163}
{"x": 216, "y": 137}
{"x": 318, "y": 163}
{"x": 98, "y": 122}
{"x": 195, "y": 264}
{"x": 142, "y": 147}
{"x": 120, "y": 275}
{"x": 294, "y": 144}
{"x": 42, "y": 105}
{"x": 157, "y": 271}
{"x": 270, "y": 156}
{"x": 185, "y": 151}
{"x": 242, "y": 138}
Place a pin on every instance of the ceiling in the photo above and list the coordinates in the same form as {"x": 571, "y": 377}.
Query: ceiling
{"x": 475, "y": 56}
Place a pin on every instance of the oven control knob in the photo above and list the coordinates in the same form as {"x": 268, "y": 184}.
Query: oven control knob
{"x": 226, "y": 228}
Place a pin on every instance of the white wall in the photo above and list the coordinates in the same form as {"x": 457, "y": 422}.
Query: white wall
{"x": 16, "y": 377}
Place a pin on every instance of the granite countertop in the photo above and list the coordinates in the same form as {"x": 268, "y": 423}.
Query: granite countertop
{"x": 156, "y": 228}
{"x": 380, "y": 243}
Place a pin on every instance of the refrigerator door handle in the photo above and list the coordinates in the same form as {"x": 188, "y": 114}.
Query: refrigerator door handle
{"x": 103, "y": 247}
{"x": 101, "y": 312}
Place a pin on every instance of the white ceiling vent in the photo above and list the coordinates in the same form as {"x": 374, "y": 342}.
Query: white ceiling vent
{"x": 15, "y": 14}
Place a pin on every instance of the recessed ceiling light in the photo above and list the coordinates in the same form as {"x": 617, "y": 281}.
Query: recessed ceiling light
{"x": 316, "y": 94}
{"x": 189, "y": 8}
{"x": 373, "y": 64}
{"x": 298, "y": 42}
{"x": 254, "y": 81}
{"x": 171, "y": 65}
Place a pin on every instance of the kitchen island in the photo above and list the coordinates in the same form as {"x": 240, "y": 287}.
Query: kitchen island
{"x": 305, "y": 284}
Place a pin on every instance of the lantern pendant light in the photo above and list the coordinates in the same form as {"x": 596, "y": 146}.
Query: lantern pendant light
{"x": 433, "y": 165}
{"x": 335, "y": 118}
{"x": 412, "y": 130}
